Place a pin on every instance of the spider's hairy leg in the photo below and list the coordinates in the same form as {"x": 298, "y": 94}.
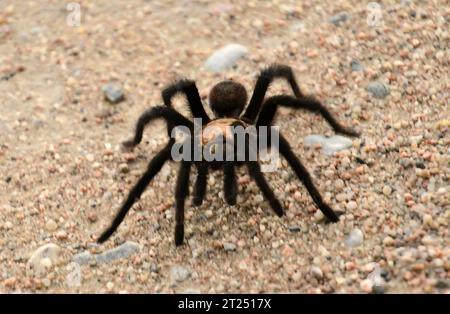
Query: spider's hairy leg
{"x": 189, "y": 88}
{"x": 171, "y": 116}
{"x": 262, "y": 84}
{"x": 255, "y": 172}
{"x": 230, "y": 185}
{"x": 307, "y": 103}
{"x": 305, "y": 177}
{"x": 153, "y": 168}
{"x": 200, "y": 183}
{"x": 181, "y": 192}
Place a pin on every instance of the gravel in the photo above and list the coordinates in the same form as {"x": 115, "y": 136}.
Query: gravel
{"x": 294, "y": 229}
{"x": 356, "y": 66}
{"x": 316, "y": 272}
{"x": 229, "y": 247}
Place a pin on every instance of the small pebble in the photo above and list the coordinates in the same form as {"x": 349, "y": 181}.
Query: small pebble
{"x": 229, "y": 247}
{"x": 109, "y": 286}
{"x": 377, "y": 289}
{"x": 259, "y": 198}
{"x": 366, "y": 286}
{"x": 179, "y": 273}
{"x": 378, "y": 90}
{"x": 113, "y": 93}
{"x": 441, "y": 284}
{"x": 10, "y": 282}
{"x": 124, "y": 168}
{"x": 51, "y": 225}
{"x": 8, "y": 225}
{"x": 92, "y": 217}
{"x": 339, "y": 184}
{"x": 318, "y": 216}
{"x": 355, "y": 238}
{"x": 339, "y": 18}
{"x": 61, "y": 235}
{"x": 209, "y": 213}
{"x": 388, "y": 241}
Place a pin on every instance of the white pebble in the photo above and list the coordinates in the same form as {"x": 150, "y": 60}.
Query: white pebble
{"x": 355, "y": 238}
{"x": 352, "y": 205}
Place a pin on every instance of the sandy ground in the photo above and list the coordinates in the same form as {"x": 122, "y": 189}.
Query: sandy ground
{"x": 63, "y": 174}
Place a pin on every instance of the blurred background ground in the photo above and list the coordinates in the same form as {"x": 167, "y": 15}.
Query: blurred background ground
{"x": 63, "y": 174}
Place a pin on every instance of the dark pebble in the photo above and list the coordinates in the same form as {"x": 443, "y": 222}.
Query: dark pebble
{"x": 356, "y": 66}
{"x": 294, "y": 229}
{"x": 441, "y": 284}
{"x": 378, "y": 89}
{"x": 384, "y": 273}
{"x": 378, "y": 289}
{"x": 154, "y": 268}
{"x": 339, "y": 18}
{"x": 420, "y": 165}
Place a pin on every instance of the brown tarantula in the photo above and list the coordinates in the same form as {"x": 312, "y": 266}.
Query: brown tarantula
{"x": 227, "y": 100}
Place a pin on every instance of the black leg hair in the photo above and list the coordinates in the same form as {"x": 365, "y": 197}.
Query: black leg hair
{"x": 255, "y": 172}
{"x": 308, "y": 103}
{"x": 189, "y": 88}
{"x": 262, "y": 84}
{"x": 171, "y": 116}
{"x": 153, "y": 168}
{"x": 200, "y": 183}
{"x": 181, "y": 192}
{"x": 304, "y": 176}
{"x": 230, "y": 185}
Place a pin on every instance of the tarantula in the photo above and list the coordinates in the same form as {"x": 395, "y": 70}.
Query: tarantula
{"x": 227, "y": 100}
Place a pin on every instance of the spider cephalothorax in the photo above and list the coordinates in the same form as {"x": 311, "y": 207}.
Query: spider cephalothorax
{"x": 227, "y": 100}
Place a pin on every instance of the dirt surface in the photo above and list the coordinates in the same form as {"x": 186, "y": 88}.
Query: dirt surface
{"x": 63, "y": 174}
